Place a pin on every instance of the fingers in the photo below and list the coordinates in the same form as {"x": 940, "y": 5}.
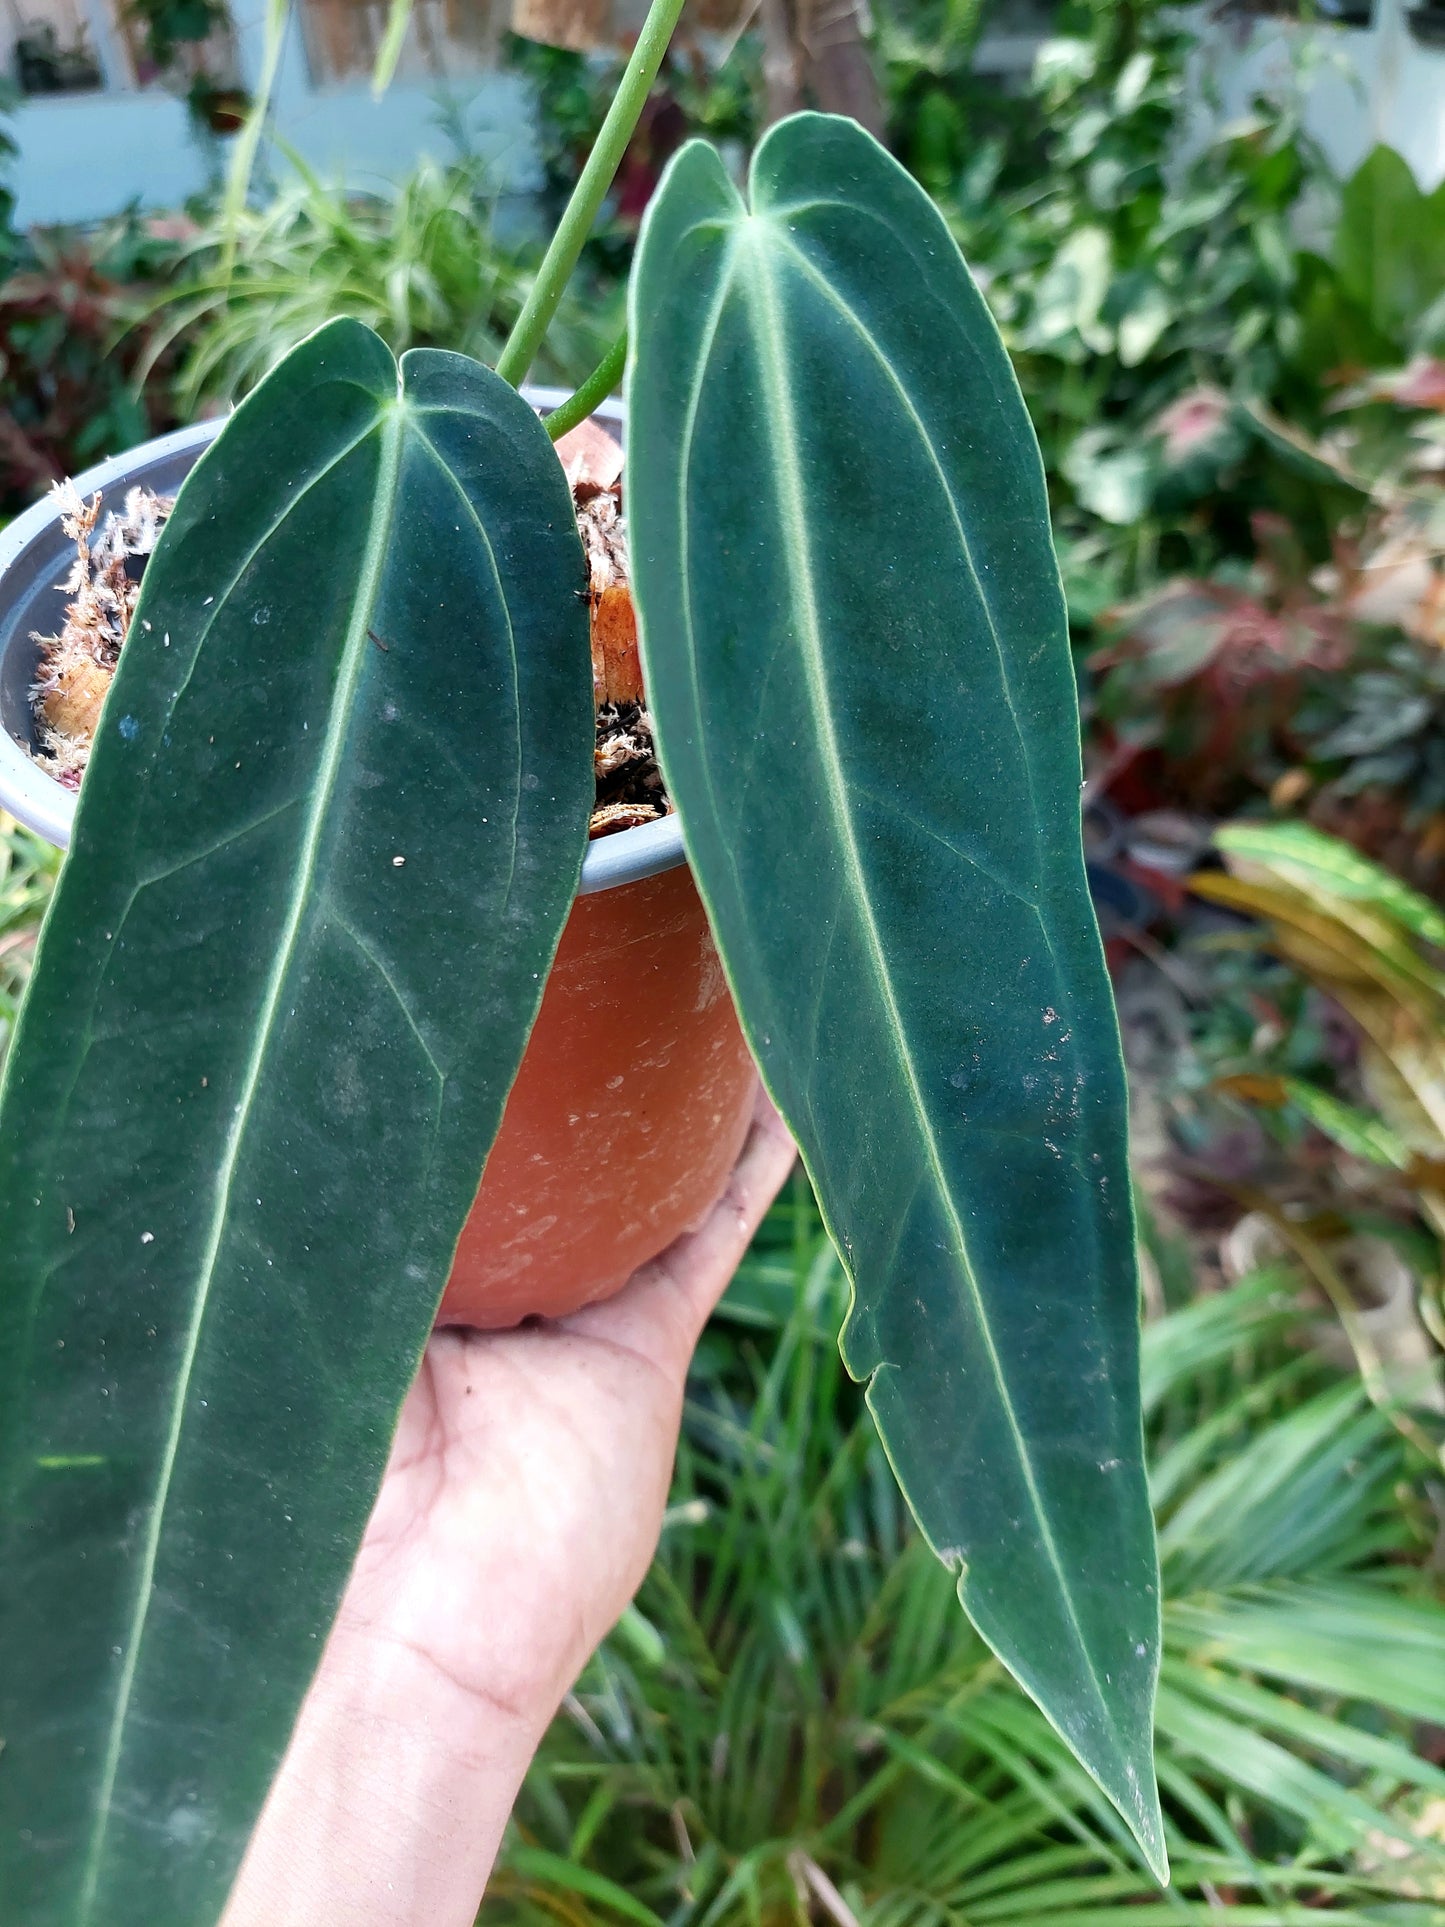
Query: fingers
{"x": 666, "y": 1303}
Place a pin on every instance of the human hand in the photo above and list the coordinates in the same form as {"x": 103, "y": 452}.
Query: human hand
{"x": 519, "y": 1511}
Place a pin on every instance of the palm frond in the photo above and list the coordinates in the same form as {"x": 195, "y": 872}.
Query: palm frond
{"x": 28, "y": 869}
{"x": 809, "y": 1731}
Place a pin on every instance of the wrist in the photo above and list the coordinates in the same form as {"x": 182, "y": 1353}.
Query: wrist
{"x": 394, "y": 1793}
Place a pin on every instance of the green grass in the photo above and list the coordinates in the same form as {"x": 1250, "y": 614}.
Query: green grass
{"x": 796, "y": 1723}
{"x": 28, "y": 870}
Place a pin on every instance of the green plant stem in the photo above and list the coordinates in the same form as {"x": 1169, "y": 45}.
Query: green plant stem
{"x": 243, "y": 160}
{"x": 587, "y": 197}
{"x": 398, "y": 19}
{"x": 597, "y": 387}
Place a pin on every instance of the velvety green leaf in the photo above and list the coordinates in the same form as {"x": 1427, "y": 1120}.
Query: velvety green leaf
{"x": 856, "y": 653}
{"x": 327, "y": 842}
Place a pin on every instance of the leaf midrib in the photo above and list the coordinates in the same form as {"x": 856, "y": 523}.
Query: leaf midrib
{"x": 781, "y": 408}
{"x": 352, "y": 659}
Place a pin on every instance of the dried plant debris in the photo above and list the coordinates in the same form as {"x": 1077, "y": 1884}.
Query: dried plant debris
{"x": 75, "y": 667}
{"x": 593, "y": 461}
{"x": 629, "y": 783}
{"x": 616, "y": 665}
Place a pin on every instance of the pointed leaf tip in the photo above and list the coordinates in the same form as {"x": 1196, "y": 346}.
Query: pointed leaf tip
{"x": 857, "y": 657}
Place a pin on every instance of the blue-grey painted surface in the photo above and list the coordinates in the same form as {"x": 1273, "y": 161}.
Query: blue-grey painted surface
{"x": 85, "y": 156}
{"x": 1359, "y": 87}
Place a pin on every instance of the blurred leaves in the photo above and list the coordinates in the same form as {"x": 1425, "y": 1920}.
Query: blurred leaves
{"x": 166, "y": 26}
{"x": 1184, "y": 297}
{"x": 1370, "y": 943}
{"x": 1390, "y": 250}
{"x": 28, "y": 869}
{"x": 926, "y": 50}
{"x": 1326, "y": 674}
{"x": 1131, "y": 263}
{"x": 1353, "y": 1129}
{"x": 68, "y": 393}
{"x": 1374, "y": 947}
{"x": 824, "y": 1739}
{"x": 421, "y": 262}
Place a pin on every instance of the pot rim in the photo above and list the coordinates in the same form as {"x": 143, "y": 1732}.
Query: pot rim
{"x": 45, "y": 806}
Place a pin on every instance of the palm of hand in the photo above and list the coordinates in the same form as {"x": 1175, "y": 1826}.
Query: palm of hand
{"x": 527, "y": 1482}
{"x": 524, "y": 1494}
{"x": 519, "y": 1511}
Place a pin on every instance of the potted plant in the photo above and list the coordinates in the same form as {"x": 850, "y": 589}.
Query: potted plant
{"x": 636, "y": 1086}
{"x": 325, "y": 851}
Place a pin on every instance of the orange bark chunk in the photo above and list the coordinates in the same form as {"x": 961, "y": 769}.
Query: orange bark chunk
{"x": 593, "y": 462}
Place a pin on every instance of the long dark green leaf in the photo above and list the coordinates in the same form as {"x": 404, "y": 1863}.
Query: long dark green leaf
{"x": 856, "y": 653}
{"x": 326, "y": 845}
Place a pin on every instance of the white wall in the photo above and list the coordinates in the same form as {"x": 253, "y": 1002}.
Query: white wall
{"x": 83, "y": 156}
{"x": 1363, "y": 87}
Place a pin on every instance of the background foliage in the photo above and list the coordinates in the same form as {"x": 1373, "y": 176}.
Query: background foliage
{"x": 421, "y": 263}
{"x": 27, "y": 870}
{"x": 795, "y": 1722}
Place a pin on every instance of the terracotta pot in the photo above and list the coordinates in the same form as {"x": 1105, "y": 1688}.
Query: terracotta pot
{"x": 636, "y": 1089}
{"x": 628, "y": 1112}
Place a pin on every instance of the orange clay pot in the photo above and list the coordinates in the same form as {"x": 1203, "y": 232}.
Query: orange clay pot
{"x": 635, "y": 1092}
{"x": 629, "y": 1111}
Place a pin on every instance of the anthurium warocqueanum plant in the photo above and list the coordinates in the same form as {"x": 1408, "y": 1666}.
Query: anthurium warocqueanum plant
{"x": 263, "y": 1060}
